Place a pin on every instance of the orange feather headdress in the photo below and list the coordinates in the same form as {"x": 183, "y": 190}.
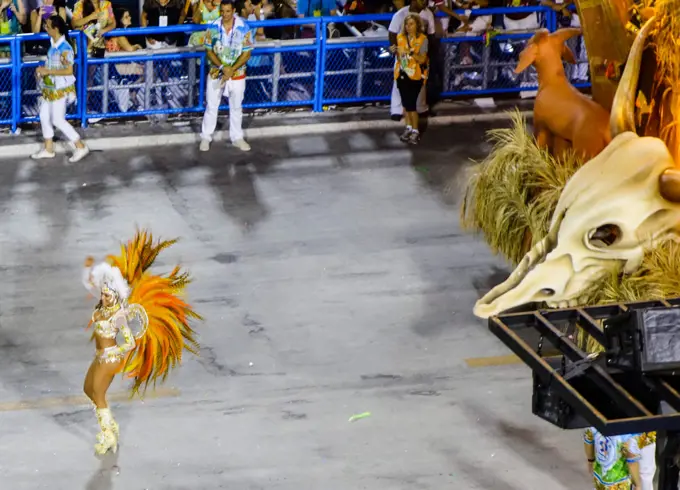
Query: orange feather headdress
{"x": 166, "y": 316}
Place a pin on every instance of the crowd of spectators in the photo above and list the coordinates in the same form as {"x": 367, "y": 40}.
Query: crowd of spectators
{"x": 96, "y": 17}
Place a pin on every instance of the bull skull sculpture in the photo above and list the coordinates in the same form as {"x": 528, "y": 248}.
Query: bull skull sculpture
{"x": 609, "y": 212}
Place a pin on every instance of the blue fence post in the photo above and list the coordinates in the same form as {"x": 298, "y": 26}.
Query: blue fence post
{"x": 551, "y": 20}
{"x": 320, "y": 64}
{"x": 201, "y": 81}
{"x": 15, "y": 54}
{"x": 81, "y": 88}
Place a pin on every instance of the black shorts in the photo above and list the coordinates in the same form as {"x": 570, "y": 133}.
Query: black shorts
{"x": 409, "y": 91}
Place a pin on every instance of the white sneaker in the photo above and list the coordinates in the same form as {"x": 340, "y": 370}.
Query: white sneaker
{"x": 242, "y": 145}
{"x": 79, "y": 154}
{"x": 205, "y": 145}
{"x": 43, "y": 155}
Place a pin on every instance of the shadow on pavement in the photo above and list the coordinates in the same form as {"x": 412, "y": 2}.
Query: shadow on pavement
{"x": 102, "y": 479}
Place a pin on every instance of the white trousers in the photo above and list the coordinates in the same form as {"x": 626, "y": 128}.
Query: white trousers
{"x": 215, "y": 90}
{"x": 648, "y": 467}
{"x": 396, "y": 108}
{"x": 53, "y": 114}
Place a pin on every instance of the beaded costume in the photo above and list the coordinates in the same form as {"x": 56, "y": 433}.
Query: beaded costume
{"x": 148, "y": 304}
{"x": 56, "y": 87}
{"x": 612, "y": 456}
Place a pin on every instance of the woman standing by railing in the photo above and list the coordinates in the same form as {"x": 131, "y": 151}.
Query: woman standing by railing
{"x": 205, "y": 12}
{"x": 12, "y": 16}
{"x": 410, "y": 72}
{"x": 48, "y": 8}
{"x": 39, "y": 18}
{"x": 95, "y": 18}
{"x": 121, "y": 43}
{"x": 58, "y": 91}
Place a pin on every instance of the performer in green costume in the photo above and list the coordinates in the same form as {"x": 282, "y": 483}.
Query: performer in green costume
{"x": 613, "y": 460}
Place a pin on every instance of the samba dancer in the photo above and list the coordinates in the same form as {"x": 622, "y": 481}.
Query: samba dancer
{"x": 129, "y": 295}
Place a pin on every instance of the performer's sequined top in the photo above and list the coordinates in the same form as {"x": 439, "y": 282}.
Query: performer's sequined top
{"x": 109, "y": 329}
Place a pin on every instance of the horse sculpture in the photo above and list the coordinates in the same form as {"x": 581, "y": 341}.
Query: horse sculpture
{"x": 564, "y": 118}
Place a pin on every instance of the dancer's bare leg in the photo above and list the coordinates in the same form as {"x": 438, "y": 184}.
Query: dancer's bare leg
{"x": 102, "y": 376}
{"x": 88, "y": 384}
{"x": 98, "y": 380}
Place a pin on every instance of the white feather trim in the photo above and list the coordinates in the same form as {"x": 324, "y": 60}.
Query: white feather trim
{"x": 104, "y": 274}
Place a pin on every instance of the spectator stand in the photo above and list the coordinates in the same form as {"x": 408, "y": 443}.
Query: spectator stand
{"x": 313, "y": 72}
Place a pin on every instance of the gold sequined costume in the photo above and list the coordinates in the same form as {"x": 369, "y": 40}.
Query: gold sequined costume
{"x": 147, "y": 312}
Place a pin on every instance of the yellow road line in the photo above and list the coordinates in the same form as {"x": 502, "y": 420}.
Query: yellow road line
{"x": 479, "y": 362}
{"x": 59, "y": 401}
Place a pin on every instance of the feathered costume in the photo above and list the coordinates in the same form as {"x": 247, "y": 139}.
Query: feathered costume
{"x": 153, "y": 303}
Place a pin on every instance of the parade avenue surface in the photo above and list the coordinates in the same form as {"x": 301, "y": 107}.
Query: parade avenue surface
{"x": 334, "y": 280}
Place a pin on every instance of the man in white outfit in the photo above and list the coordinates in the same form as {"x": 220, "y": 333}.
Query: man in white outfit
{"x": 229, "y": 45}
{"x": 396, "y": 27}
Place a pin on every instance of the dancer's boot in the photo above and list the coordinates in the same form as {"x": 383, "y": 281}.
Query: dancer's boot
{"x": 115, "y": 428}
{"x": 106, "y": 439}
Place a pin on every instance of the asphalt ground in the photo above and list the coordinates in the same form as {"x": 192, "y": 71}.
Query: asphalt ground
{"x": 335, "y": 281}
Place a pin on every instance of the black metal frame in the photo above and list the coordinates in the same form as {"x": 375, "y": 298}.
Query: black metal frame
{"x": 610, "y": 400}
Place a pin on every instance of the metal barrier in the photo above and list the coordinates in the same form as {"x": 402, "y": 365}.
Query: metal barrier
{"x": 313, "y": 72}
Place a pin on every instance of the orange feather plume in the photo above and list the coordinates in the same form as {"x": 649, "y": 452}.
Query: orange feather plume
{"x": 168, "y": 333}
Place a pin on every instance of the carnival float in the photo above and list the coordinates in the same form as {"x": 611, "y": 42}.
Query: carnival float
{"x": 586, "y": 207}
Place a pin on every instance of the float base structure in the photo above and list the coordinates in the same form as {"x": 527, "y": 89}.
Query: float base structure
{"x": 573, "y": 389}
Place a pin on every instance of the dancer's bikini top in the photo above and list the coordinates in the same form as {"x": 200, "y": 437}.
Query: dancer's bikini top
{"x": 105, "y": 329}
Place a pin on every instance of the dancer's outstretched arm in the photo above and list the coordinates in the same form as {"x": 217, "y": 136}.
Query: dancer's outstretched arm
{"x": 129, "y": 338}
{"x": 87, "y": 277}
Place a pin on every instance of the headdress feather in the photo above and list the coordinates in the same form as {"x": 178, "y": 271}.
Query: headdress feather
{"x": 105, "y": 276}
{"x": 168, "y": 332}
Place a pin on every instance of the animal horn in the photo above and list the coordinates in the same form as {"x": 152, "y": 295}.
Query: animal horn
{"x": 669, "y": 185}
{"x": 623, "y": 107}
{"x": 535, "y": 255}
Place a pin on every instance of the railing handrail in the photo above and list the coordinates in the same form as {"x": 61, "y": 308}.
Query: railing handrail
{"x": 362, "y": 58}
{"x": 504, "y": 10}
{"x": 39, "y": 36}
{"x": 386, "y": 17}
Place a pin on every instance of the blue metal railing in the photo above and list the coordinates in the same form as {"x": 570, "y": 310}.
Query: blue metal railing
{"x": 313, "y": 72}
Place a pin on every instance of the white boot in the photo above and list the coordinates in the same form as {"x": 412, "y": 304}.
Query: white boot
{"x": 107, "y": 438}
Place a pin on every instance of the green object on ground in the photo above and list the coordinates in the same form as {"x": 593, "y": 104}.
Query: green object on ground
{"x": 359, "y": 416}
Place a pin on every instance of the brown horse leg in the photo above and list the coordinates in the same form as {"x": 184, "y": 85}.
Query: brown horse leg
{"x": 589, "y": 146}
{"x": 543, "y": 137}
{"x": 560, "y": 147}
